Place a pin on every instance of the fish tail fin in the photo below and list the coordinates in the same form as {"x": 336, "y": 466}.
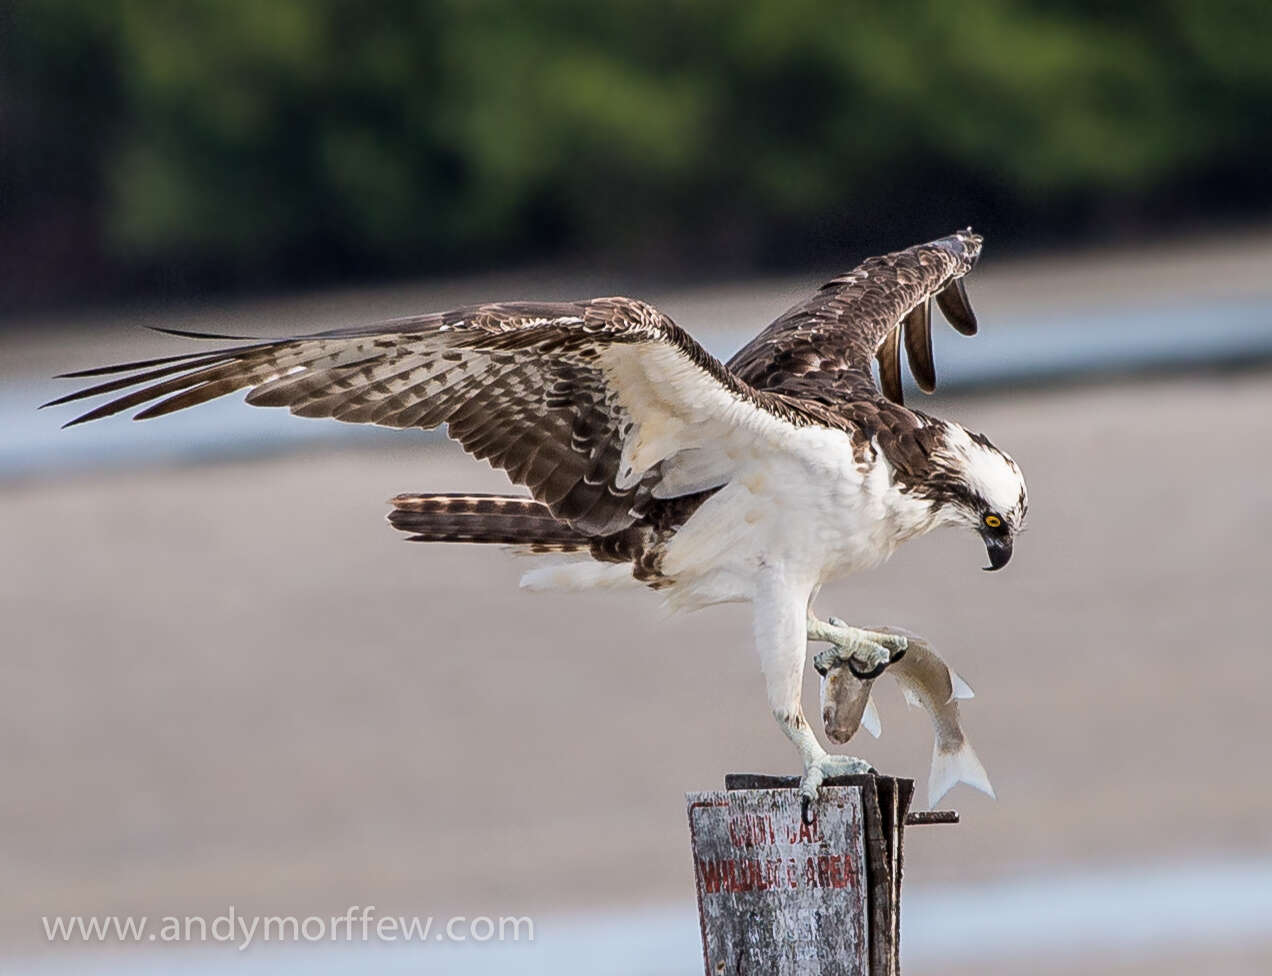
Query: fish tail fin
{"x": 952, "y": 765}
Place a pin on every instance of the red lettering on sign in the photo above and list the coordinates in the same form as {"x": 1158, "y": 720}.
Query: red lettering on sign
{"x": 830, "y": 871}
{"x": 743, "y": 874}
{"x": 802, "y": 833}
{"x": 751, "y": 831}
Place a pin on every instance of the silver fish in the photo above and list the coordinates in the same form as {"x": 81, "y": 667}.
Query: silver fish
{"x": 926, "y": 681}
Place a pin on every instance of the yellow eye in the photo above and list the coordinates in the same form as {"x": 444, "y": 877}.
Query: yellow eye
{"x": 993, "y": 521}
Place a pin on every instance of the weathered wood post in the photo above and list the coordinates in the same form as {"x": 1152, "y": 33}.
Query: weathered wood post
{"x": 780, "y": 897}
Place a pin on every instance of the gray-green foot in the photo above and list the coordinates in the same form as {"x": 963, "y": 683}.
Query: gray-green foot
{"x": 822, "y": 768}
{"x": 866, "y": 653}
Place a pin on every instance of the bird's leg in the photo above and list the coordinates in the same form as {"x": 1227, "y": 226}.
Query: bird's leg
{"x": 819, "y": 765}
{"x": 866, "y": 653}
{"x": 782, "y": 640}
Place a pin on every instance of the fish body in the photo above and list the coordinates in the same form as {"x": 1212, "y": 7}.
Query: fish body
{"x": 927, "y": 681}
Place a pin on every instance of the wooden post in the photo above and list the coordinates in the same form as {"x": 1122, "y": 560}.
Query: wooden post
{"x": 779, "y": 897}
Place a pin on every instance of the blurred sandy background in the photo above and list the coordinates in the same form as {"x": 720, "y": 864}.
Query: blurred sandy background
{"x": 233, "y": 683}
{"x": 227, "y": 681}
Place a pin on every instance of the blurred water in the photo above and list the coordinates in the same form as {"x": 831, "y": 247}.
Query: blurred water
{"x": 1046, "y": 348}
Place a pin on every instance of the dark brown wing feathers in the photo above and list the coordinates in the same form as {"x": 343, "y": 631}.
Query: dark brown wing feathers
{"x": 520, "y": 386}
{"x": 823, "y": 348}
{"x": 917, "y": 326}
{"x": 889, "y": 356}
{"x": 517, "y": 384}
{"x": 952, "y": 300}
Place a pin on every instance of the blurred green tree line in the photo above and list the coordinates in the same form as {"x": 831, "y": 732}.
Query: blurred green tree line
{"x": 152, "y": 143}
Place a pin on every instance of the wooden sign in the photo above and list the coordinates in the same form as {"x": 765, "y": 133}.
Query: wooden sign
{"x": 775, "y": 895}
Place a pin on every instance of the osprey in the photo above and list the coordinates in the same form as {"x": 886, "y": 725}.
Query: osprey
{"x": 648, "y": 461}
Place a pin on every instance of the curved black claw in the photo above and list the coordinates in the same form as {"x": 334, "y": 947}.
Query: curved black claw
{"x": 877, "y": 670}
{"x": 868, "y": 675}
{"x": 806, "y": 811}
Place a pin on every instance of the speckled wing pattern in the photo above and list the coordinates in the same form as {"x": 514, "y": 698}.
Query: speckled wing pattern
{"x": 822, "y": 349}
{"x": 527, "y": 387}
{"x": 606, "y": 410}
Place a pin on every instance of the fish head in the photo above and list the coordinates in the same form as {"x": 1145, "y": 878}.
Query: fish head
{"x": 844, "y": 698}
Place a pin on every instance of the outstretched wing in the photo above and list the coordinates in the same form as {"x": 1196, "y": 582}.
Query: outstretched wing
{"x": 594, "y": 406}
{"x": 822, "y": 349}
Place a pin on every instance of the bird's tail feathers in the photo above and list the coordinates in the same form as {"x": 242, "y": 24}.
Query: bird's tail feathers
{"x": 952, "y": 765}
{"x": 499, "y": 519}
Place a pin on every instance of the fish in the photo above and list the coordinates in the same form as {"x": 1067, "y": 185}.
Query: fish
{"x": 847, "y": 705}
{"x": 926, "y": 681}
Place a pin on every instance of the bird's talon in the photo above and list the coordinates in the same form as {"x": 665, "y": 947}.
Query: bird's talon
{"x": 819, "y": 770}
{"x": 896, "y": 643}
{"x": 866, "y": 653}
{"x": 870, "y": 675}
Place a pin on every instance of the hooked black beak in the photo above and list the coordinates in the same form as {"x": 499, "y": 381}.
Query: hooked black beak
{"x": 999, "y": 550}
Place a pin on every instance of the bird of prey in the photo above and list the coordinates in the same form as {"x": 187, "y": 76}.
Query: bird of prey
{"x": 651, "y": 463}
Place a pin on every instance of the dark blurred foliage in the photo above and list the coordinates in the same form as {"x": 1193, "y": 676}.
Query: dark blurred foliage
{"x": 248, "y": 143}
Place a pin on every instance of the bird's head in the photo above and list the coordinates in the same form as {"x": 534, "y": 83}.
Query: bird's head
{"x": 977, "y": 485}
